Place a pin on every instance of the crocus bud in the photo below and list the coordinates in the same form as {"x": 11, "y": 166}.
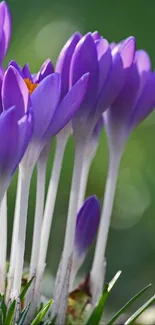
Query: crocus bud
{"x": 86, "y": 228}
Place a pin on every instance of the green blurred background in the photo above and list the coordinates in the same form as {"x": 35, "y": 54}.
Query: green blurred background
{"x": 40, "y": 28}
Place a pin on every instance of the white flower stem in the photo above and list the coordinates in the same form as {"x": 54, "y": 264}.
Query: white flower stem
{"x": 97, "y": 271}
{"x": 90, "y": 153}
{"x": 41, "y": 179}
{"x": 71, "y": 219}
{"x": 84, "y": 178}
{"x": 20, "y": 249}
{"x": 14, "y": 241}
{"x": 49, "y": 209}
{"x": 3, "y": 242}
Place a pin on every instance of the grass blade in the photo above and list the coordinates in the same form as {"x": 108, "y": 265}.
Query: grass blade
{"x": 23, "y": 315}
{"x": 96, "y": 315}
{"x": 25, "y": 289}
{"x": 130, "y": 302}
{"x": 10, "y": 314}
{"x": 42, "y": 313}
{"x": 140, "y": 311}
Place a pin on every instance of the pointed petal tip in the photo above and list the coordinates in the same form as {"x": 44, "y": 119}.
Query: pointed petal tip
{"x": 143, "y": 60}
{"x": 85, "y": 77}
{"x": 127, "y": 51}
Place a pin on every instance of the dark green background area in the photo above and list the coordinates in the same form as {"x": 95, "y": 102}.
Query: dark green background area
{"x": 40, "y": 28}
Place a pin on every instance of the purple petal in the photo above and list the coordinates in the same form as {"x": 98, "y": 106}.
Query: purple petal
{"x": 68, "y": 107}
{"x": 96, "y": 35}
{"x": 45, "y": 70}
{"x": 87, "y": 224}
{"x": 85, "y": 60}
{"x": 16, "y": 66}
{"x": 146, "y": 101}
{"x": 9, "y": 146}
{"x": 5, "y": 27}
{"x": 143, "y": 61}
{"x": 1, "y": 81}
{"x": 105, "y": 61}
{"x": 113, "y": 84}
{"x": 127, "y": 51}
{"x": 64, "y": 61}
{"x": 25, "y": 127}
{"x": 44, "y": 100}
{"x": 15, "y": 92}
{"x": 112, "y": 45}
{"x": 123, "y": 105}
{"x": 26, "y": 72}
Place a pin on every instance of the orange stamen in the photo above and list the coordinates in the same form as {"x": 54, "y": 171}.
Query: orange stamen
{"x": 31, "y": 87}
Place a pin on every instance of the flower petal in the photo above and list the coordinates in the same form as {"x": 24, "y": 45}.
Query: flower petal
{"x": 105, "y": 61}
{"x": 1, "y": 81}
{"x": 5, "y": 29}
{"x": 7, "y": 24}
{"x": 15, "y": 92}
{"x": 25, "y": 127}
{"x": 64, "y": 61}
{"x": 85, "y": 60}
{"x": 96, "y": 35}
{"x": 122, "y": 108}
{"x": 45, "y": 70}
{"x": 44, "y": 100}
{"x": 113, "y": 84}
{"x": 127, "y": 51}
{"x": 143, "y": 61}
{"x": 68, "y": 107}
{"x": 26, "y": 72}
{"x": 14, "y": 64}
{"x": 146, "y": 101}
{"x": 9, "y": 144}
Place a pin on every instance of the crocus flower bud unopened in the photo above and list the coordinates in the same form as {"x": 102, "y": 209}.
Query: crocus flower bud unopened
{"x": 86, "y": 228}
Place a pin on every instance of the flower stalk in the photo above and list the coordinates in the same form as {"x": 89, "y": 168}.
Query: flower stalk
{"x": 61, "y": 142}
{"x": 80, "y": 149}
{"x": 97, "y": 272}
{"x": 40, "y": 195}
{"x": 3, "y": 242}
{"x": 25, "y": 176}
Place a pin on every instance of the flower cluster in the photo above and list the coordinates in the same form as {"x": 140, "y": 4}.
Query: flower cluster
{"x": 94, "y": 84}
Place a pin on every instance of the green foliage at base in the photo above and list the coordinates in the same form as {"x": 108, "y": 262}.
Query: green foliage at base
{"x": 81, "y": 310}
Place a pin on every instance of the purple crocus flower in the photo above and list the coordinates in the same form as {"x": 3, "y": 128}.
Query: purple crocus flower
{"x": 93, "y": 54}
{"x": 5, "y": 30}
{"x": 33, "y": 79}
{"x": 50, "y": 113}
{"x": 134, "y": 103}
{"x": 86, "y": 228}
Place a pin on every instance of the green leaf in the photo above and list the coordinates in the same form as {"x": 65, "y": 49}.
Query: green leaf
{"x": 98, "y": 311}
{"x": 53, "y": 320}
{"x": 10, "y": 314}
{"x": 140, "y": 311}
{"x": 3, "y": 306}
{"x": 130, "y": 302}
{"x": 1, "y": 316}
{"x": 42, "y": 313}
{"x": 23, "y": 315}
{"x": 25, "y": 289}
